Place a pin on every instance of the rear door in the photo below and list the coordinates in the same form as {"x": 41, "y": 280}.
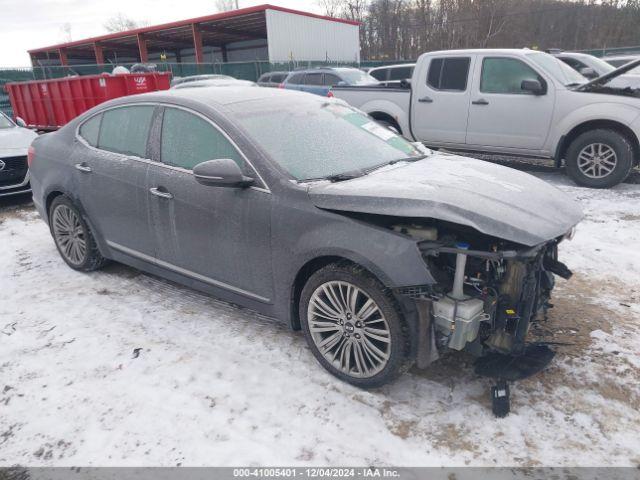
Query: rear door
{"x": 501, "y": 114}
{"x": 220, "y": 236}
{"x": 111, "y": 162}
{"x": 440, "y": 100}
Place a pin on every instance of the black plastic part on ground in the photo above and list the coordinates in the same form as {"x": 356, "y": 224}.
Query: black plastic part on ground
{"x": 533, "y": 359}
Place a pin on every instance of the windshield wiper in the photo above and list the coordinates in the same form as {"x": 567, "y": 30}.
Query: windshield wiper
{"x": 341, "y": 177}
{"x": 393, "y": 162}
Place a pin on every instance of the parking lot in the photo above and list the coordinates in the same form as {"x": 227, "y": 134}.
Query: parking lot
{"x": 120, "y": 368}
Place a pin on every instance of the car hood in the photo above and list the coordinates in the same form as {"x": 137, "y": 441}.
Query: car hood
{"x": 495, "y": 200}
{"x": 15, "y": 141}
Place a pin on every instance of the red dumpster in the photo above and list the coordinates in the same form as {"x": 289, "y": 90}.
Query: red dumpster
{"x": 49, "y": 104}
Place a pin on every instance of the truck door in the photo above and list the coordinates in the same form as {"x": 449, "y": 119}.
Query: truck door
{"x": 440, "y": 100}
{"x": 504, "y": 115}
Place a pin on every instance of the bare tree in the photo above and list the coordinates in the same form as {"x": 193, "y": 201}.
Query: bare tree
{"x": 226, "y": 5}
{"x": 331, "y": 8}
{"x": 120, "y": 23}
{"x": 65, "y": 32}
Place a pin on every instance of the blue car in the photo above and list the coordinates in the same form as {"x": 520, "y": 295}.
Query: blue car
{"x": 320, "y": 80}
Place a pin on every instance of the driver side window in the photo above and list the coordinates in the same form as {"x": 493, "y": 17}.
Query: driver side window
{"x": 188, "y": 140}
{"x": 505, "y": 75}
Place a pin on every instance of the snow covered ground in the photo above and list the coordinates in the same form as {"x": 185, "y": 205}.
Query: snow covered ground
{"x": 212, "y": 384}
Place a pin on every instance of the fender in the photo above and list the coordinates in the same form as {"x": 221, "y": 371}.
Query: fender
{"x": 391, "y": 109}
{"x": 607, "y": 111}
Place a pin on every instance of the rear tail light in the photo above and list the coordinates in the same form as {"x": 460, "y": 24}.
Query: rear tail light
{"x": 31, "y": 152}
{"x": 330, "y": 94}
{"x": 281, "y": 85}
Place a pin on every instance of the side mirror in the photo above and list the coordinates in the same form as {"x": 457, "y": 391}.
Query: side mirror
{"x": 405, "y": 83}
{"x": 588, "y": 72}
{"x": 532, "y": 86}
{"x": 221, "y": 173}
{"x": 20, "y": 122}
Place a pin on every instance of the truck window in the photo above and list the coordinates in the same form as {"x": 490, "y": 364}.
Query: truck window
{"x": 449, "y": 73}
{"x": 505, "y": 75}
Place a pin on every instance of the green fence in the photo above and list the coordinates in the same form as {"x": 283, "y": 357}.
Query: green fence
{"x": 242, "y": 70}
{"x": 601, "y": 52}
{"x": 11, "y": 75}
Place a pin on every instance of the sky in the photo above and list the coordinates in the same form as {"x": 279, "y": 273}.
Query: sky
{"x": 28, "y": 24}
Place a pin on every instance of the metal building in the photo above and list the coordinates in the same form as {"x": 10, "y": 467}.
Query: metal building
{"x": 262, "y": 33}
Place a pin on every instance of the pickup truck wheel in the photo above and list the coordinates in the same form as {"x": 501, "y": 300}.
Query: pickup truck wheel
{"x": 353, "y": 326}
{"x": 599, "y": 158}
{"x": 73, "y": 237}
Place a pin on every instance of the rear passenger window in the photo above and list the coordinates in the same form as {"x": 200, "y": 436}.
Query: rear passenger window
{"x": 449, "y": 73}
{"x": 90, "y": 130}
{"x": 313, "y": 79}
{"x": 125, "y": 130}
{"x": 188, "y": 140}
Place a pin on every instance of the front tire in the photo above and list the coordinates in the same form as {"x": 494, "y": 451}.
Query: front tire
{"x": 73, "y": 237}
{"x": 353, "y": 326}
{"x": 599, "y": 158}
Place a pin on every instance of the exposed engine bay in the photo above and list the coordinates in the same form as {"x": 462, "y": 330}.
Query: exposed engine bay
{"x": 488, "y": 291}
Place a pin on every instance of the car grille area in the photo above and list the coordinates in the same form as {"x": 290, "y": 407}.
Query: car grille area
{"x": 13, "y": 170}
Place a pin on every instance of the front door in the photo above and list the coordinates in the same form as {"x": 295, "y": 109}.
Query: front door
{"x": 220, "y": 236}
{"x": 111, "y": 165}
{"x": 503, "y": 115}
{"x": 440, "y": 100}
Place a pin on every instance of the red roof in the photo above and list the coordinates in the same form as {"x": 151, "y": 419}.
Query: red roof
{"x": 182, "y": 23}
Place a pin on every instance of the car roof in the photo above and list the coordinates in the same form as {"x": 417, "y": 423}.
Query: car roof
{"x": 475, "y": 51}
{"x": 225, "y": 95}
{"x": 395, "y": 65}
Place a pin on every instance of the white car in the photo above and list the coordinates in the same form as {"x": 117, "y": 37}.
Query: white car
{"x": 518, "y": 102}
{"x": 620, "y": 60}
{"x": 14, "y": 143}
{"x": 593, "y": 67}
{"x": 392, "y": 75}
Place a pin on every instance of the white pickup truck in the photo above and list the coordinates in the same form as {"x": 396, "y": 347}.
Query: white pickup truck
{"x": 514, "y": 102}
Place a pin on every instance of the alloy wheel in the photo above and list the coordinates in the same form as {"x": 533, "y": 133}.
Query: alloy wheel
{"x": 597, "y": 160}
{"x": 69, "y": 234}
{"x": 349, "y": 329}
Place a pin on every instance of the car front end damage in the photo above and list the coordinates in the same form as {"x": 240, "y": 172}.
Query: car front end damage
{"x": 487, "y": 295}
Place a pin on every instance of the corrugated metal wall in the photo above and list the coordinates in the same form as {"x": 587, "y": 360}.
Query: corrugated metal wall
{"x": 297, "y": 37}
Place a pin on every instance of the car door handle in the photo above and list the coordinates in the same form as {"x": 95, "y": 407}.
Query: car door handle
{"x": 425, "y": 100}
{"x": 83, "y": 167}
{"x": 159, "y": 193}
{"x": 480, "y": 101}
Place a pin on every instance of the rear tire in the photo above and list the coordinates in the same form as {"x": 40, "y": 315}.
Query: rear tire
{"x": 600, "y": 158}
{"x": 353, "y": 326}
{"x": 73, "y": 237}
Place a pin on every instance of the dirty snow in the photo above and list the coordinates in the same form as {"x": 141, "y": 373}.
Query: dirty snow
{"x": 121, "y": 368}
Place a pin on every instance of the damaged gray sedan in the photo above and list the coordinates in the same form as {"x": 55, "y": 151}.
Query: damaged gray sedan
{"x": 302, "y": 208}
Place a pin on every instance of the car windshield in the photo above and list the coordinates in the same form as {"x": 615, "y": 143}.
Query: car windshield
{"x": 560, "y": 70}
{"x": 315, "y": 139}
{"x": 357, "y": 77}
{"x": 5, "y": 122}
{"x": 601, "y": 66}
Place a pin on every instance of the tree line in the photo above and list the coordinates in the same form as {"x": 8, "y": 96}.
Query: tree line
{"x": 402, "y": 29}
